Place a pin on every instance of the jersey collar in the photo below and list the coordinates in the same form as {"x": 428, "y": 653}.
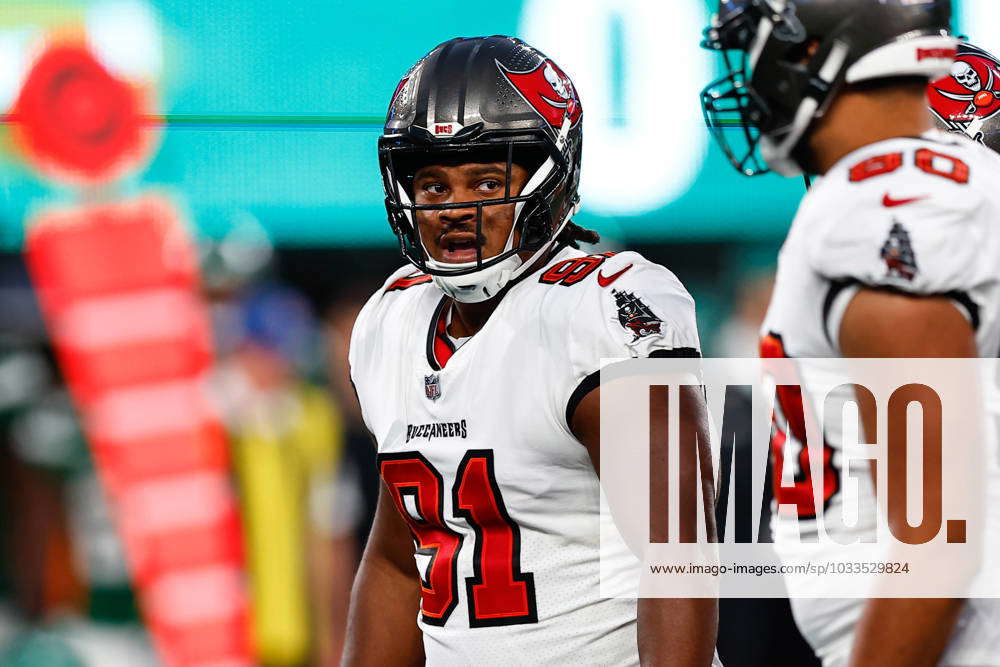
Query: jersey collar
{"x": 439, "y": 346}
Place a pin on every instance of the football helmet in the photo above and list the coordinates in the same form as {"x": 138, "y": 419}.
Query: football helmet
{"x": 773, "y": 91}
{"x": 484, "y": 99}
{"x": 967, "y": 100}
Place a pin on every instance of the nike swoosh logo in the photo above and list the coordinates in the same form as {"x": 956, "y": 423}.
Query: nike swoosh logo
{"x": 889, "y": 202}
{"x": 604, "y": 282}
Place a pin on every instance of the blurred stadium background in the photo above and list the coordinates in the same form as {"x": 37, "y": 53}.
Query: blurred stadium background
{"x": 190, "y": 190}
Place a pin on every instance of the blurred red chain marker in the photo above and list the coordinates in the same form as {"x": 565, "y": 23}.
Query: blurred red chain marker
{"x": 74, "y": 121}
{"x": 118, "y": 286}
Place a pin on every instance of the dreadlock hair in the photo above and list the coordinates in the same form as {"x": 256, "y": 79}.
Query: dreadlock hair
{"x": 573, "y": 235}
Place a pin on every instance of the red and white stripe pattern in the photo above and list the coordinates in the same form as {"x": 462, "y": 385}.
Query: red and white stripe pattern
{"x": 118, "y": 284}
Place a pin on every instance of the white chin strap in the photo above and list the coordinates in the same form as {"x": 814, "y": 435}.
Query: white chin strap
{"x": 480, "y": 285}
{"x": 777, "y": 149}
{"x": 777, "y": 153}
{"x": 486, "y": 283}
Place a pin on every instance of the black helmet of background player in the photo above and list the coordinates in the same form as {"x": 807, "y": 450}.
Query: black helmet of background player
{"x": 485, "y": 99}
{"x": 967, "y": 100}
{"x": 774, "y": 90}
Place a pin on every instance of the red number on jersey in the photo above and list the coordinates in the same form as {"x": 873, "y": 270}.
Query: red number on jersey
{"x": 571, "y": 271}
{"x": 956, "y": 170}
{"x": 498, "y": 592}
{"x": 789, "y": 399}
{"x": 417, "y": 491}
{"x": 408, "y": 282}
{"x": 876, "y": 166}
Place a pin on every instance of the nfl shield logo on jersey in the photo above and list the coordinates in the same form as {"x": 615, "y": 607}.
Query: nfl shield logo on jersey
{"x": 432, "y": 387}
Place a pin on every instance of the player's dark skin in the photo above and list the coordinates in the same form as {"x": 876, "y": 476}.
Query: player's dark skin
{"x": 441, "y": 230}
{"x": 386, "y": 597}
{"x": 883, "y": 324}
{"x": 911, "y": 632}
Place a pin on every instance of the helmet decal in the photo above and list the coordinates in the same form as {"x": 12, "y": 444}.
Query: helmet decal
{"x": 402, "y": 94}
{"x": 970, "y": 92}
{"x": 549, "y": 92}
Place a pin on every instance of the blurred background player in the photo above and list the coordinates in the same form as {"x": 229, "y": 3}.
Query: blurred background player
{"x": 300, "y": 495}
{"x": 285, "y": 441}
{"x": 65, "y": 594}
{"x": 892, "y": 255}
{"x": 477, "y": 375}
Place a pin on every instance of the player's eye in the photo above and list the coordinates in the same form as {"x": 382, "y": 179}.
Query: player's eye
{"x": 490, "y": 185}
{"x": 433, "y": 188}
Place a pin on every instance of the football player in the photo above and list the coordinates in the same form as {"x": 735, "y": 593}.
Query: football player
{"x": 893, "y": 253}
{"x": 476, "y": 367}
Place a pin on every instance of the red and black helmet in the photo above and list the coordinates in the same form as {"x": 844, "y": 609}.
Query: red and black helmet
{"x": 968, "y": 99}
{"x": 484, "y": 99}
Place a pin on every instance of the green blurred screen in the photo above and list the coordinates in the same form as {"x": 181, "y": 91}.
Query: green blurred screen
{"x": 273, "y": 111}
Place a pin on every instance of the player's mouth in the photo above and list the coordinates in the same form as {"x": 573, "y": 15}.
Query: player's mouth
{"x": 460, "y": 247}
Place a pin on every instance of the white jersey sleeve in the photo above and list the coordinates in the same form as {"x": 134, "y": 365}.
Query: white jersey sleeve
{"x": 366, "y": 345}
{"x": 925, "y": 229}
{"x": 930, "y": 246}
{"x": 916, "y": 215}
{"x": 633, "y": 308}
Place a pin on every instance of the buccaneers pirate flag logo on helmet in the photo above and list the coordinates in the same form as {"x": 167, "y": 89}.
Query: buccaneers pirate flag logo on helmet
{"x": 970, "y": 95}
{"x": 549, "y": 92}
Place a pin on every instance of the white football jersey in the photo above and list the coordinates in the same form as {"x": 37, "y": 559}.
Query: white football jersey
{"x": 920, "y": 215}
{"x": 475, "y": 447}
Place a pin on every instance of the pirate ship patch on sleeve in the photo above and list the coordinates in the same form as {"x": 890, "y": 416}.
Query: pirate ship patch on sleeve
{"x": 897, "y": 253}
{"x": 635, "y": 316}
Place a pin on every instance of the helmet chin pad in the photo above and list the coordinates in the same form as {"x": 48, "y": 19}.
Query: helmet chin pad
{"x": 489, "y": 281}
{"x": 481, "y": 285}
{"x": 777, "y": 159}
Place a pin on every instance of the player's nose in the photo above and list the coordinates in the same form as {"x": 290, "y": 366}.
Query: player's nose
{"x": 453, "y": 217}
